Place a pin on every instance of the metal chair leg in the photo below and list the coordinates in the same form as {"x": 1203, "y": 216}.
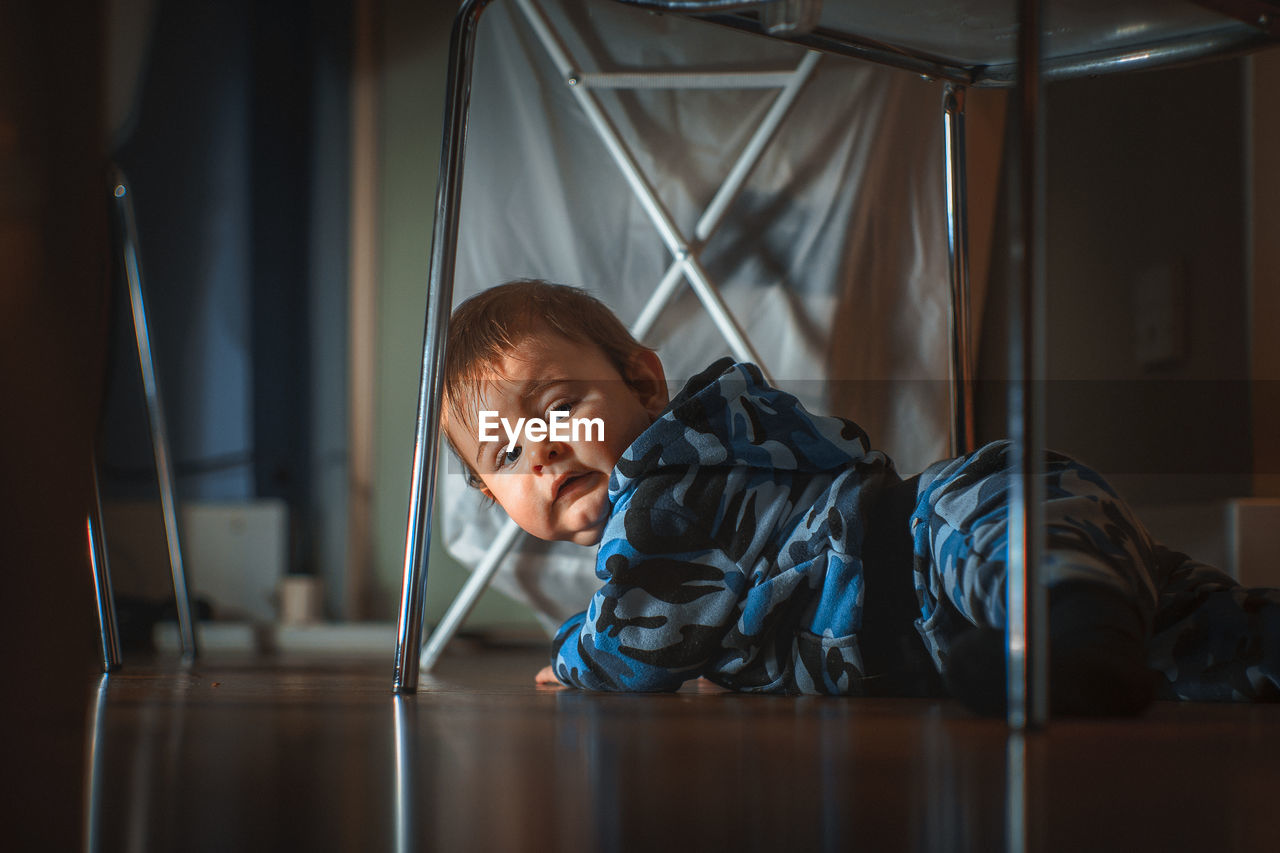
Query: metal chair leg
{"x": 107, "y": 625}
{"x": 439, "y": 300}
{"x": 962, "y": 420}
{"x": 1026, "y": 604}
{"x": 155, "y": 413}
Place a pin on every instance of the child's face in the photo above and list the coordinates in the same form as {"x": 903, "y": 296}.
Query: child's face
{"x": 558, "y": 489}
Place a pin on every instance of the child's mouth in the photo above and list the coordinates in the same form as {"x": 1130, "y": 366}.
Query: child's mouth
{"x": 570, "y": 484}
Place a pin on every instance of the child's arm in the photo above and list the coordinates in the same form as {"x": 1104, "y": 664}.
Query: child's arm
{"x": 672, "y": 557}
{"x": 657, "y": 623}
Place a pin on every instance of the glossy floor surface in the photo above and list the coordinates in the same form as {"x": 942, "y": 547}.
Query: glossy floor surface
{"x": 308, "y": 754}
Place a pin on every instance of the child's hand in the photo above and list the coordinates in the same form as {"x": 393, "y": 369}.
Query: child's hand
{"x": 547, "y": 676}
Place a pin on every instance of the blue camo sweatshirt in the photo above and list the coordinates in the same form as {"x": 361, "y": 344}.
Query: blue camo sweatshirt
{"x": 733, "y": 548}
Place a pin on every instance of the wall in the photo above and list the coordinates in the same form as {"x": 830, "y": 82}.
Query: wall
{"x": 1145, "y": 225}
{"x": 1264, "y": 91}
{"x": 1146, "y": 181}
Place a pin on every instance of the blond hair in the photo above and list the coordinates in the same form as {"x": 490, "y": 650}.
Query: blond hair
{"x": 488, "y": 326}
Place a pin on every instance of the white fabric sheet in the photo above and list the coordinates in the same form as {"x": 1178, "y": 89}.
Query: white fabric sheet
{"x": 833, "y": 257}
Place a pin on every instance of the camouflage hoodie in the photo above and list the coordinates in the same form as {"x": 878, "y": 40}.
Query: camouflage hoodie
{"x": 733, "y": 549}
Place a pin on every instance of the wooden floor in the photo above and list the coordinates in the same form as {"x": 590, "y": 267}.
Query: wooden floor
{"x": 314, "y": 755}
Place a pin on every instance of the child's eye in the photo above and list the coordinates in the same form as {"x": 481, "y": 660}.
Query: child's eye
{"x": 509, "y": 457}
{"x": 564, "y": 406}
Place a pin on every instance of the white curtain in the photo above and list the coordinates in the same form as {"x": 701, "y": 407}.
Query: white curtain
{"x": 833, "y": 257}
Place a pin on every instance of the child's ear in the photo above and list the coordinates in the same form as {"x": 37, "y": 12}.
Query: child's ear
{"x": 648, "y": 381}
{"x": 474, "y": 481}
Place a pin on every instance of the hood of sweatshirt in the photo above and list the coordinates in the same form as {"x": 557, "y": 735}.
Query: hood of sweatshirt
{"x": 729, "y": 415}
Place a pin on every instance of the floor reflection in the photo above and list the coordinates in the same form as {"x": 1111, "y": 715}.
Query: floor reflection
{"x": 1015, "y": 797}
{"x": 94, "y": 768}
{"x": 406, "y": 741}
{"x": 753, "y": 771}
{"x": 326, "y": 759}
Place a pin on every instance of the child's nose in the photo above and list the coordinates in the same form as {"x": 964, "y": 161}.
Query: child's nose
{"x": 544, "y": 453}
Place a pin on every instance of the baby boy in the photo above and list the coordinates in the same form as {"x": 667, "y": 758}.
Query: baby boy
{"x": 748, "y": 541}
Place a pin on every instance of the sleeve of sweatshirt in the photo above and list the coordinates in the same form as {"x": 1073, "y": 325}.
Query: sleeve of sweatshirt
{"x": 658, "y": 621}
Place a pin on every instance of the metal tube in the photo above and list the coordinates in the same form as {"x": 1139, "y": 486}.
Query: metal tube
{"x": 631, "y": 172}
{"x": 1229, "y": 42}
{"x": 720, "y": 315}
{"x": 542, "y": 29}
{"x": 643, "y": 191}
{"x": 657, "y": 301}
{"x": 155, "y": 416}
{"x": 648, "y": 199}
{"x": 728, "y": 191}
{"x": 848, "y": 44}
{"x": 685, "y": 79}
{"x": 1026, "y": 608}
{"x": 439, "y": 300}
{"x": 961, "y": 366}
{"x": 469, "y": 594}
{"x": 108, "y": 627}
{"x": 750, "y": 155}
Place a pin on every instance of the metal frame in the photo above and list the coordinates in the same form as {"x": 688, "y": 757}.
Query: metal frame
{"x": 685, "y": 264}
{"x": 961, "y": 355}
{"x": 122, "y": 195}
{"x": 1027, "y": 637}
{"x": 1026, "y": 633}
{"x": 1234, "y": 40}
